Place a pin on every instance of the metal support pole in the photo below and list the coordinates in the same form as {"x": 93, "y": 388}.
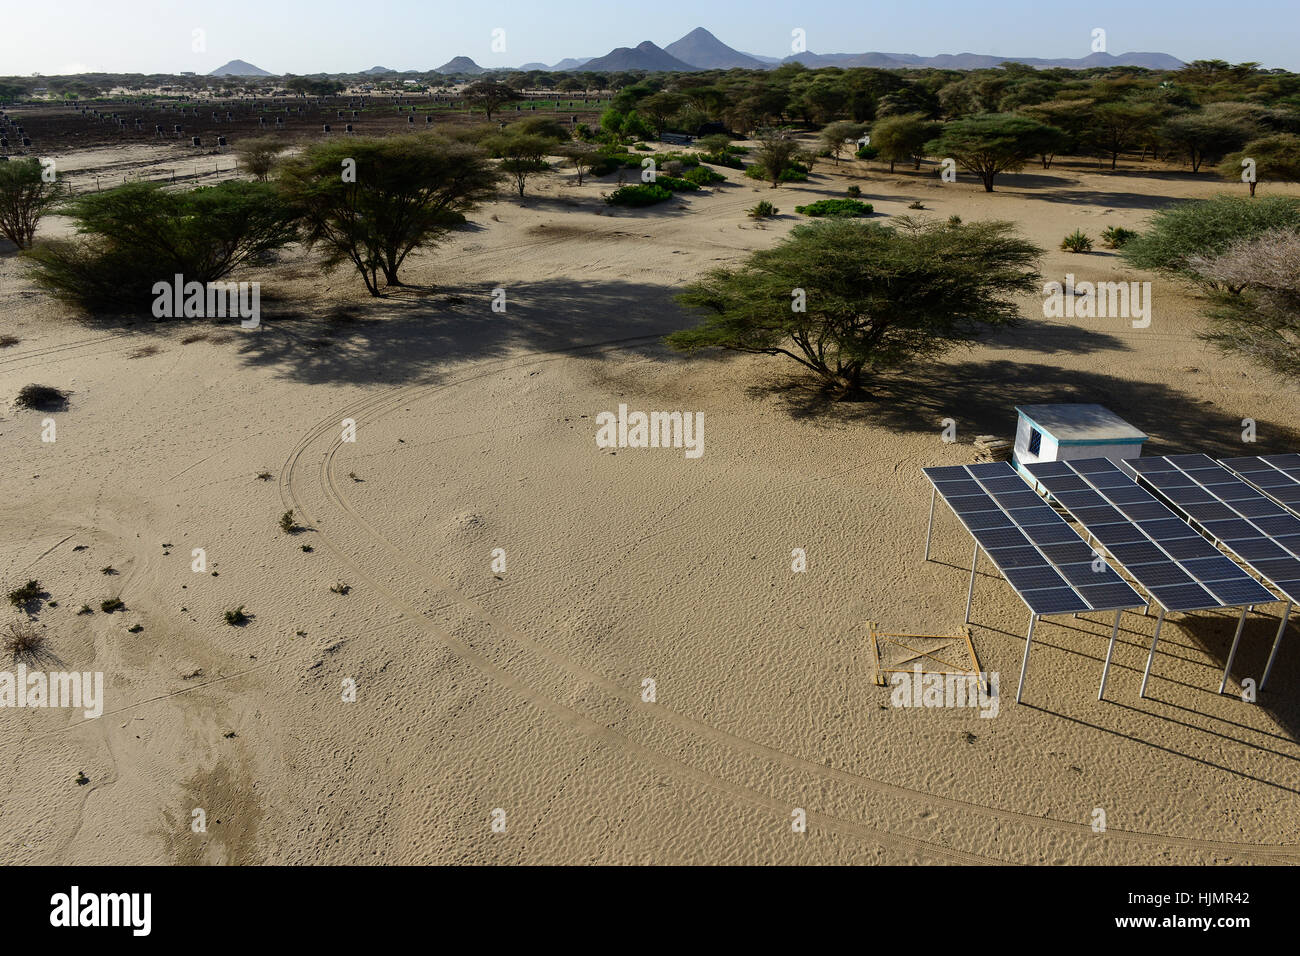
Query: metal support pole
{"x": 930, "y": 526}
{"x": 1105, "y": 668}
{"x": 970, "y": 591}
{"x": 1024, "y": 664}
{"x": 1236, "y": 639}
{"x": 1146, "y": 674}
{"x": 1277, "y": 642}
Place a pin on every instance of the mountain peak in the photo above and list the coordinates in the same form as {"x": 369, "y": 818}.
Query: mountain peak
{"x": 702, "y": 49}
{"x": 239, "y": 68}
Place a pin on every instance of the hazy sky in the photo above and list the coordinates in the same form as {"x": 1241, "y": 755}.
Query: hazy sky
{"x": 147, "y": 36}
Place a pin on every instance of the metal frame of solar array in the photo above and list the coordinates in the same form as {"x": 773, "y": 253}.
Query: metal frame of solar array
{"x": 1045, "y": 561}
{"x": 1259, "y": 531}
{"x": 1168, "y": 558}
{"x": 1277, "y": 476}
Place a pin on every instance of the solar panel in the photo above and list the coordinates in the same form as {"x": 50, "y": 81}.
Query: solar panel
{"x": 1244, "y": 520}
{"x": 1178, "y": 567}
{"x": 1277, "y": 476}
{"x": 1052, "y": 569}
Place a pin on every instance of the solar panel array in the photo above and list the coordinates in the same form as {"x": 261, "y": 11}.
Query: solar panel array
{"x": 1178, "y": 567}
{"x": 1278, "y": 476}
{"x": 1258, "y": 530}
{"x": 1052, "y": 569}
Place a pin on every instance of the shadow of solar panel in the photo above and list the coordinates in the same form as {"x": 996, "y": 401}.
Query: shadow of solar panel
{"x": 1161, "y": 528}
{"x": 1000, "y": 538}
{"x": 946, "y": 472}
{"x": 1025, "y": 557}
{"x": 1248, "y": 591}
{"x": 1033, "y": 579}
{"x": 1213, "y": 569}
{"x": 1069, "y": 552}
{"x": 1231, "y": 529}
{"x": 1054, "y": 601}
{"x": 1087, "y": 573}
{"x": 1185, "y": 597}
{"x": 1109, "y": 597}
{"x": 1138, "y": 552}
{"x": 1184, "y": 548}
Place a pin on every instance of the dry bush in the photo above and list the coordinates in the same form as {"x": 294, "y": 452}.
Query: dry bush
{"x": 23, "y": 641}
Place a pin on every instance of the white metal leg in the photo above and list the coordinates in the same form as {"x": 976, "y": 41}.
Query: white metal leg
{"x": 1236, "y": 639}
{"x": 1105, "y": 668}
{"x": 1024, "y": 664}
{"x": 1277, "y": 642}
{"x": 1146, "y": 674}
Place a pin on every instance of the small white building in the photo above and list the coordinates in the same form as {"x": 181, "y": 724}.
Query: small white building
{"x": 1068, "y": 432}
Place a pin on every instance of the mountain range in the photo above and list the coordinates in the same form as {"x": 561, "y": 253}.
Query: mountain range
{"x": 701, "y": 50}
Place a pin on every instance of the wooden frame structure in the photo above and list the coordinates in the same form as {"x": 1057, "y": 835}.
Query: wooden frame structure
{"x": 877, "y": 637}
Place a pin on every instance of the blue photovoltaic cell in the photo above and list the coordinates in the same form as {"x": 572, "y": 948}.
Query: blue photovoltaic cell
{"x": 1032, "y": 546}
{"x": 1240, "y": 517}
{"x": 1145, "y": 536}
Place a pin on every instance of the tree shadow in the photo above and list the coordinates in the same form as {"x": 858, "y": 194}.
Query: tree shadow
{"x": 414, "y": 336}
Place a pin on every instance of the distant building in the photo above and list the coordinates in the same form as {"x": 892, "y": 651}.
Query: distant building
{"x": 1070, "y": 432}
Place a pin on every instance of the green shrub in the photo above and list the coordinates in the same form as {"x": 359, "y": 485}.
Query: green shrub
{"x": 236, "y": 617}
{"x": 675, "y": 184}
{"x": 794, "y": 173}
{"x": 836, "y": 207}
{"x": 139, "y": 234}
{"x": 1205, "y": 229}
{"x": 763, "y": 210}
{"x": 25, "y": 595}
{"x": 1076, "y": 241}
{"x": 41, "y": 397}
{"x": 641, "y": 194}
{"x": 722, "y": 159}
{"x": 109, "y": 605}
{"x": 703, "y": 176}
{"x": 867, "y": 152}
{"x": 1116, "y": 237}
{"x": 854, "y": 192}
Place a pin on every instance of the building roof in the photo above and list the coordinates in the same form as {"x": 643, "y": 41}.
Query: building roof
{"x": 1080, "y": 423}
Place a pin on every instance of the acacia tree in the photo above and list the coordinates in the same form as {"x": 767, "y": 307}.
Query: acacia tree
{"x": 902, "y": 139}
{"x": 489, "y": 94}
{"x": 372, "y": 202}
{"x": 1118, "y": 125}
{"x": 991, "y": 143}
{"x": 1275, "y": 159}
{"x": 777, "y": 149}
{"x": 522, "y": 154}
{"x": 27, "y": 193}
{"x": 581, "y": 156}
{"x": 877, "y": 298}
{"x": 1207, "y": 135}
{"x": 836, "y": 136}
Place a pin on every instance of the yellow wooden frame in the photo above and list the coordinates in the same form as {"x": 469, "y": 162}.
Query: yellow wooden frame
{"x": 877, "y": 636}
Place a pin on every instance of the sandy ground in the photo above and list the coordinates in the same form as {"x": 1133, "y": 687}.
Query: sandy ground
{"x": 522, "y": 690}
